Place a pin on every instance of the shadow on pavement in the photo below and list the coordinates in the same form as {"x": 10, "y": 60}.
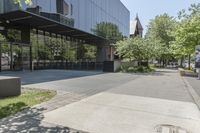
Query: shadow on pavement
{"x": 41, "y": 76}
{"x": 11, "y": 109}
{"x": 30, "y": 120}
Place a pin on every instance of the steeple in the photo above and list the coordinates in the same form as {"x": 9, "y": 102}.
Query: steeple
{"x": 136, "y": 28}
{"x": 136, "y": 18}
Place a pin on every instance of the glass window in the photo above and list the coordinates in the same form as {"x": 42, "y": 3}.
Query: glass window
{"x": 71, "y": 9}
{"x": 65, "y": 8}
{"x": 1, "y": 6}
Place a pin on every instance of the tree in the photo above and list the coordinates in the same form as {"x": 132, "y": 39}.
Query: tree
{"x": 109, "y": 31}
{"x": 192, "y": 11}
{"x": 135, "y": 49}
{"x": 187, "y": 32}
{"x": 156, "y": 48}
{"x": 159, "y": 29}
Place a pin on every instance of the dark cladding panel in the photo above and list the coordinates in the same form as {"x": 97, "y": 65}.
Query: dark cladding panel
{"x": 108, "y": 66}
{"x": 1, "y": 6}
{"x": 25, "y": 35}
{"x": 62, "y": 7}
{"x": 59, "y": 4}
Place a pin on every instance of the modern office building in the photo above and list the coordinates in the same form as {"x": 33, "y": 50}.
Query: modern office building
{"x": 91, "y": 12}
{"x": 81, "y": 14}
{"x": 69, "y": 22}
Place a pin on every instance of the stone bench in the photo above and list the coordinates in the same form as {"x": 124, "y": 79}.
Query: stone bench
{"x": 10, "y": 86}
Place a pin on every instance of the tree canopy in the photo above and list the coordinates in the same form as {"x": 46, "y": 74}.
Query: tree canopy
{"x": 159, "y": 30}
{"x": 187, "y": 31}
{"x": 138, "y": 49}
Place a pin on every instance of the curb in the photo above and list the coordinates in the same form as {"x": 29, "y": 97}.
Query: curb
{"x": 192, "y": 92}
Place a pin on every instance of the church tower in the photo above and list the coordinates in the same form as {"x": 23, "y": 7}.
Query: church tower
{"x": 136, "y": 28}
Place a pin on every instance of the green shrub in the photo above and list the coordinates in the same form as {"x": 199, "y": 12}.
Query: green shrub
{"x": 137, "y": 69}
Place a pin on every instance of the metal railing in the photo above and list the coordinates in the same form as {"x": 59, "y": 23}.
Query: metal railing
{"x": 40, "y": 65}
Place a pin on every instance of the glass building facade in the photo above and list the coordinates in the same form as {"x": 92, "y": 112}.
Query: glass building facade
{"x": 49, "y": 49}
{"x": 89, "y": 13}
{"x": 80, "y": 14}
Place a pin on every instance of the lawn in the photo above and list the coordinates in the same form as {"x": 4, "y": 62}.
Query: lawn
{"x": 28, "y": 98}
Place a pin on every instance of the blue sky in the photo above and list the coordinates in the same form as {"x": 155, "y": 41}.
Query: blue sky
{"x": 148, "y": 9}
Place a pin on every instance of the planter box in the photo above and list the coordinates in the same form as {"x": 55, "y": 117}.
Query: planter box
{"x": 191, "y": 74}
{"x": 181, "y": 71}
{"x": 187, "y": 73}
{"x": 10, "y": 86}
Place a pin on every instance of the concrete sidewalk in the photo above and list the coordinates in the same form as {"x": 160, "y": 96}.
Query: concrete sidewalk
{"x": 138, "y": 106}
{"x": 108, "y": 103}
{"x": 195, "y": 83}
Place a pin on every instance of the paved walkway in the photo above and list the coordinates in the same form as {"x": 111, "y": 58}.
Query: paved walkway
{"x": 111, "y": 102}
{"x": 71, "y": 86}
{"x": 195, "y": 83}
{"x": 137, "y": 106}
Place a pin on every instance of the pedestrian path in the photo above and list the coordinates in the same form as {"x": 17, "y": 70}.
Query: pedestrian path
{"x": 128, "y": 103}
{"x": 195, "y": 83}
{"x": 139, "y": 106}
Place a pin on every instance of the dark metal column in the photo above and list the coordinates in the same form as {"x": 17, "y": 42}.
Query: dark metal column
{"x": 45, "y": 58}
{"x": 22, "y": 54}
{"x": 100, "y": 57}
{"x": 11, "y": 56}
{"x": 0, "y": 56}
{"x": 37, "y": 36}
{"x": 62, "y": 51}
{"x": 31, "y": 58}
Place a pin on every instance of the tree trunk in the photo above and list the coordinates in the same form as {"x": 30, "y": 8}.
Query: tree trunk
{"x": 139, "y": 63}
{"x": 163, "y": 63}
{"x": 189, "y": 62}
{"x": 182, "y": 59}
{"x": 160, "y": 61}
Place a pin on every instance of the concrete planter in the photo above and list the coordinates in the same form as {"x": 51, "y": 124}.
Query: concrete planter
{"x": 10, "y": 86}
{"x": 111, "y": 66}
{"x": 181, "y": 71}
{"x": 191, "y": 74}
{"x": 187, "y": 73}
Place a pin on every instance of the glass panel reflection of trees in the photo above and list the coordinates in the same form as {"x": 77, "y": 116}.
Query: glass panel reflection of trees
{"x": 5, "y": 57}
{"x": 14, "y": 56}
{"x": 54, "y": 51}
{"x": 48, "y": 51}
